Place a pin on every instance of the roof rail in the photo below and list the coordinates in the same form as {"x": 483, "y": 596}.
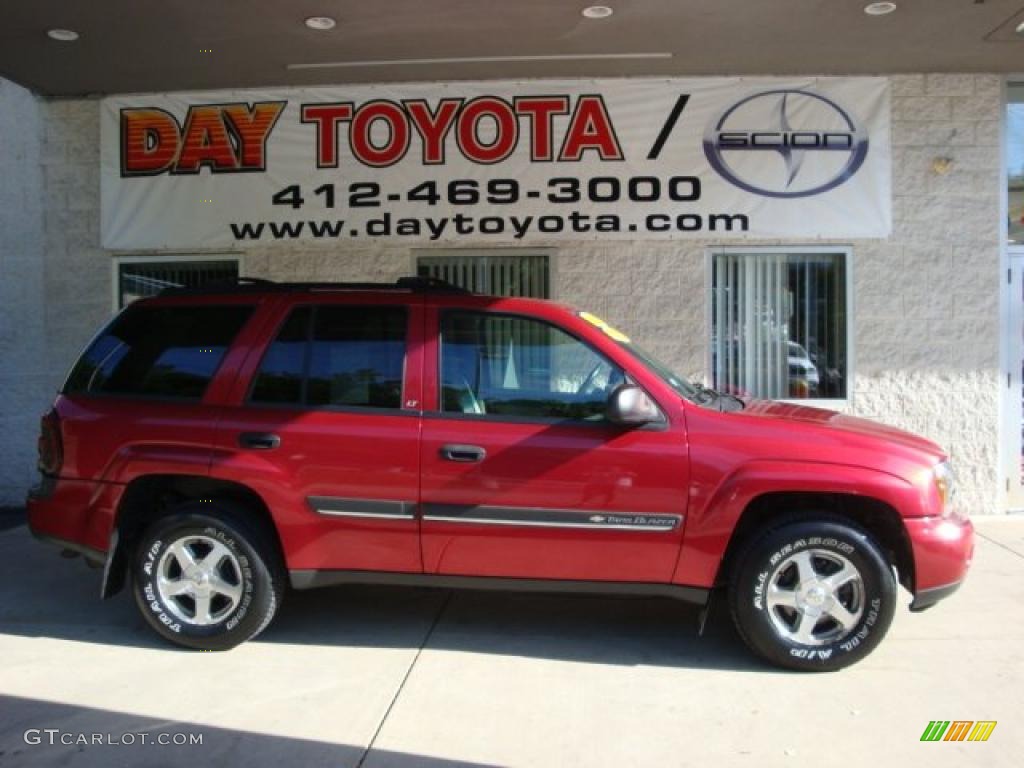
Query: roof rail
{"x": 417, "y": 284}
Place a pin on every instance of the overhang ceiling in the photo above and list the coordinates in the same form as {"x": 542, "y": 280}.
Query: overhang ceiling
{"x": 141, "y": 45}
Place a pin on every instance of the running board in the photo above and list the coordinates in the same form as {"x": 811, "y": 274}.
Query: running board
{"x": 309, "y": 579}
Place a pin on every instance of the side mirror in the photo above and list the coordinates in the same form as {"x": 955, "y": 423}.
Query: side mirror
{"x": 630, "y": 406}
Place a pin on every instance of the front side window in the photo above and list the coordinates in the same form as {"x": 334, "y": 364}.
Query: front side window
{"x": 779, "y": 324}
{"x": 504, "y": 365}
{"x": 342, "y": 356}
{"x": 158, "y": 352}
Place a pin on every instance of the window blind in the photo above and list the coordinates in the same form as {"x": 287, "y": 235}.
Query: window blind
{"x": 779, "y": 324}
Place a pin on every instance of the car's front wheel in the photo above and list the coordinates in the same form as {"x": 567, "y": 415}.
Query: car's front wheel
{"x": 204, "y": 577}
{"x": 813, "y": 595}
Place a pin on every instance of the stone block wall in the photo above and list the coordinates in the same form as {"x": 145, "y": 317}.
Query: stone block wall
{"x": 23, "y": 363}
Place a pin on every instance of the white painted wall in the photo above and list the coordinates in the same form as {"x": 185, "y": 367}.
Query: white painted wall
{"x": 925, "y": 300}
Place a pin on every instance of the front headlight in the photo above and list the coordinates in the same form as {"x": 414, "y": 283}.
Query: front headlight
{"x": 945, "y": 485}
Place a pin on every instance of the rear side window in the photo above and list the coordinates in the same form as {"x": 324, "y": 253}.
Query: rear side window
{"x": 336, "y": 356}
{"x": 170, "y": 352}
{"x": 281, "y": 374}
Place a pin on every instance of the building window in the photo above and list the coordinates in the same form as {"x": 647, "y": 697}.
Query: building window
{"x": 138, "y": 278}
{"x": 1015, "y": 161}
{"x": 779, "y": 323}
{"x": 498, "y": 273}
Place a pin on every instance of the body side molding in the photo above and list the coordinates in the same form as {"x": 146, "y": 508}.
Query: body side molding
{"x": 552, "y": 518}
{"x": 386, "y": 510}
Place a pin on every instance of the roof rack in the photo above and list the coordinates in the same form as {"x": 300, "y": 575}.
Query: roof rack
{"x": 261, "y": 285}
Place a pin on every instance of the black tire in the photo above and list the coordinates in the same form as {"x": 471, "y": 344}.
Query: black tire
{"x": 248, "y": 569}
{"x": 774, "y": 558}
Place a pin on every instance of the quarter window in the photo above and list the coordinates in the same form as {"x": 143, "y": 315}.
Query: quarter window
{"x": 503, "y": 365}
{"x": 159, "y": 352}
{"x": 336, "y": 356}
{"x": 779, "y": 324}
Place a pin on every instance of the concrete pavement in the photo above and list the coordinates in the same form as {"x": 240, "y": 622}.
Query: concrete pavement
{"x": 389, "y": 677}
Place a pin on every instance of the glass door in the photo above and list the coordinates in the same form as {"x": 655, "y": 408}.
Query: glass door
{"x": 1014, "y": 471}
{"x": 1013, "y": 320}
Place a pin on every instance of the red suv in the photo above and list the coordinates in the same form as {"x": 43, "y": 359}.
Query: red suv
{"x": 214, "y": 445}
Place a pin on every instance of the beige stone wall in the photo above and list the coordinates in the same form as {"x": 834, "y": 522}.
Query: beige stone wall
{"x": 926, "y": 320}
{"x": 78, "y": 270}
{"x": 23, "y": 368}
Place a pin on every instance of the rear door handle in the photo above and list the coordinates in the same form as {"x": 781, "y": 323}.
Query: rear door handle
{"x": 464, "y": 453}
{"x": 261, "y": 441}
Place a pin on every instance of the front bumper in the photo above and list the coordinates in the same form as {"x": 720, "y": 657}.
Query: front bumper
{"x": 943, "y": 549}
{"x": 926, "y": 598}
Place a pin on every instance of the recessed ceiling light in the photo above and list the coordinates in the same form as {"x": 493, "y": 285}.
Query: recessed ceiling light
{"x": 1020, "y": 28}
{"x": 321, "y": 23}
{"x": 879, "y": 9}
{"x": 597, "y": 12}
{"x": 63, "y": 35}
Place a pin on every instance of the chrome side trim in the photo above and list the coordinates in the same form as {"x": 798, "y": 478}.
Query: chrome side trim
{"x": 371, "y": 508}
{"x": 552, "y": 518}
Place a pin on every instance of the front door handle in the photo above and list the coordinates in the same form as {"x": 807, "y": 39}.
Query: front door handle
{"x": 464, "y": 453}
{"x": 261, "y": 441}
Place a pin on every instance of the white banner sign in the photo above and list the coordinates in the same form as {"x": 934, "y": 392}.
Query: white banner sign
{"x": 499, "y": 162}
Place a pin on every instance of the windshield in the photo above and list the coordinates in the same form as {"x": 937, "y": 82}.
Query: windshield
{"x": 680, "y": 385}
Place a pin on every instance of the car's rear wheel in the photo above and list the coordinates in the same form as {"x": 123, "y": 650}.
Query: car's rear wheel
{"x": 204, "y": 577}
{"x": 813, "y": 595}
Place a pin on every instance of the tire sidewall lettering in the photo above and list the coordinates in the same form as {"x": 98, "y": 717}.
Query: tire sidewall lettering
{"x": 815, "y": 653}
{"x": 154, "y": 603}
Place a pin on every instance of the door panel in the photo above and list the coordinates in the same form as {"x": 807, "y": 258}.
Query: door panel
{"x": 522, "y": 477}
{"x": 341, "y": 486}
{"x": 552, "y": 501}
{"x": 342, "y": 482}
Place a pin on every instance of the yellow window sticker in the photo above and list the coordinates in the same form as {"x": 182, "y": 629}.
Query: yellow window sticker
{"x": 600, "y": 324}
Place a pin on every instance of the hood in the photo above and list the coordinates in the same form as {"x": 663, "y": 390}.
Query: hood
{"x": 850, "y": 425}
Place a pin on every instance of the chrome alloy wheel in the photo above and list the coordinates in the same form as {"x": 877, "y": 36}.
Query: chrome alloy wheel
{"x": 815, "y": 597}
{"x": 199, "y": 580}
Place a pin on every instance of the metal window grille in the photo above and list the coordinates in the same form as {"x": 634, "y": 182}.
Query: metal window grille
{"x": 141, "y": 279}
{"x": 498, "y": 275}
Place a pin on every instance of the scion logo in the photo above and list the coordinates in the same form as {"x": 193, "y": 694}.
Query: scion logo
{"x": 820, "y": 145}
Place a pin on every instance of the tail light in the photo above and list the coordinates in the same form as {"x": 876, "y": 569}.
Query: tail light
{"x": 51, "y": 447}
